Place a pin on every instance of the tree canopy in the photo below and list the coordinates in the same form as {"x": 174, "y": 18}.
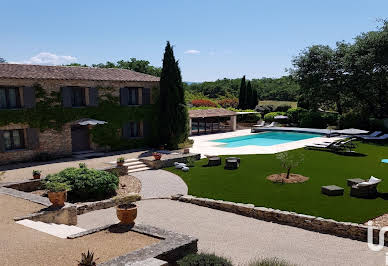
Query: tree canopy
{"x": 142, "y": 66}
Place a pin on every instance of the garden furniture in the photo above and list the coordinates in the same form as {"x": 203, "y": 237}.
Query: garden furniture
{"x": 381, "y": 138}
{"x": 232, "y": 158}
{"x": 214, "y": 161}
{"x": 231, "y": 164}
{"x": 332, "y": 190}
{"x": 365, "y": 189}
{"x": 354, "y": 181}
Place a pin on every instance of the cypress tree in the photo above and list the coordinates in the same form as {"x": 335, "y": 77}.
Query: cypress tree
{"x": 249, "y": 101}
{"x": 255, "y": 99}
{"x": 173, "y": 116}
{"x": 242, "y": 99}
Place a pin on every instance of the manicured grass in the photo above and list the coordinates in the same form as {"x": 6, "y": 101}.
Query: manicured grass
{"x": 248, "y": 184}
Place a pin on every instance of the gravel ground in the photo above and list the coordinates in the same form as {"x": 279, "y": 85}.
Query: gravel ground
{"x": 24, "y": 170}
{"x": 21, "y": 245}
{"x": 243, "y": 239}
{"x": 128, "y": 184}
{"x": 160, "y": 184}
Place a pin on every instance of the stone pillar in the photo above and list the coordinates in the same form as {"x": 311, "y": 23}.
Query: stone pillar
{"x": 233, "y": 122}
{"x": 190, "y": 127}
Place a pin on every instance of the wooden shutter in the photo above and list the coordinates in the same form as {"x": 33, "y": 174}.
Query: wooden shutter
{"x": 147, "y": 128}
{"x": 66, "y": 93}
{"x": 126, "y": 130}
{"x": 146, "y": 95}
{"x": 93, "y": 97}
{"x": 2, "y": 145}
{"x": 124, "y": 96}
{"x": 32, "y": 138}
{"x": 29, "y": 97}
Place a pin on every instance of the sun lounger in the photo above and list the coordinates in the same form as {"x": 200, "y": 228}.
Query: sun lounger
{"x": 383, "y": 137}
{"x": 374, "y": 134}
{"x": 261, "y": 124}
{"x": 273, "y": 124}
{"x": 335, "y": 146}
{"x": 365, "y": 189}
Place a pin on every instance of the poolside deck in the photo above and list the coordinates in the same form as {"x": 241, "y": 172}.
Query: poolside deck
{"x": 295, "y": 129}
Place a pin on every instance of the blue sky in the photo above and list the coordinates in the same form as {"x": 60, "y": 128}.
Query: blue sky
{"x": 212, "y": 39}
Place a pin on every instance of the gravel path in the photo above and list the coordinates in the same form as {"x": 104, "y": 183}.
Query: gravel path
{"x": 160, "y": 184}
{"x": 242, "y": 238}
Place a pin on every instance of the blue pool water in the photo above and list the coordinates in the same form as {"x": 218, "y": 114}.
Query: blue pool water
{"x": 265, "y": 139}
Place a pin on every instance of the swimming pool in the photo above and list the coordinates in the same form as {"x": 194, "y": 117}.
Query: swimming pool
{"x": 265, "y": 139}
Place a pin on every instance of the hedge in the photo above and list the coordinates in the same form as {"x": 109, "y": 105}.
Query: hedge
{"x": 270, "y": 117}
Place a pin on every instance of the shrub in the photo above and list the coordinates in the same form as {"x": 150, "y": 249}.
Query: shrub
{"x": 294, "y": 114}
{"x": 87, "y": 183}
{"x": 264, "y": 109}
{"x": 203, "y": 103}
{"x": 282, "y": 108}
{"x": 353, "y": 119}
{"x": 270, "y": 262}
{"x": 82, "y": 165}
{"x": 377, "y": 124}
{"x": 203, "y": 259}
{"x": 249, "y": 118}
{"x": 331, "y": 118}
{"x": 270, "y": 117}
{"x": 226, "y": 103}
{"x": 313, "y": 120}
{"x": 54, "y": 186}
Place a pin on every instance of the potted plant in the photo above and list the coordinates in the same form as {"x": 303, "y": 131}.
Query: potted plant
{"x": 120, "y": 161}
{"x": 57, "y": 192}
{"x": 87, "y": 259}
{"x": 36, "y": 174}
{"x": 186, "y": 150}
{"x": 157, "y": 155}
{"x": 126, "y": 209}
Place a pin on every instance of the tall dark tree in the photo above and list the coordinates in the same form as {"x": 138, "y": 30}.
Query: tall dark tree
{"x": 255, "y": 100}
{"x": 242, "y": 98}
{"x": 173, "y": 116}
{"x": 249, "y": 99}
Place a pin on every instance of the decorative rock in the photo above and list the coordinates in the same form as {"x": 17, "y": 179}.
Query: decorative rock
{"x": 185, "y": 169}
{"x": 180, "y": 166}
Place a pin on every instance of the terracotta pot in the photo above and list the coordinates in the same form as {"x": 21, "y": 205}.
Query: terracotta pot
{"x": 57, "y": 198}
{"x": 120, "y": 164}
{"x": 186, "y": 151}
{"x": 157, "y": 156}
{"x": 127, "y": 213}
{"x": 36, "y": 176}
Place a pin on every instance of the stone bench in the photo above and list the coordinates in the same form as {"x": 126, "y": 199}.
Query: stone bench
{"x": 332, "y": 190}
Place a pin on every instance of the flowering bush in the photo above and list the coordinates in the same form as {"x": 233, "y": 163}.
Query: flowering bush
{"x": 226, "y": 103}
{"x": 203, "y": 102}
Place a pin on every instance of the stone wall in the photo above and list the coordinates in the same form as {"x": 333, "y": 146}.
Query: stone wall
{"x": 311, "y": 223}
{"x": 168, "y": 160}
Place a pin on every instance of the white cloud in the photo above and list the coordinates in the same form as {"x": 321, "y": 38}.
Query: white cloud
{"x": 192, "y": 52}
{"x": 46, "y": 58}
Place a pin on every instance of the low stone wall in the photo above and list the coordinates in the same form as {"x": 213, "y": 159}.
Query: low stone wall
{"x": 311, "y": 223}
{"x": 65, "y": 215}
{"x": 168, "y": 160}
{"x": 26, "y": 186}
{"x": 119, "y": 170}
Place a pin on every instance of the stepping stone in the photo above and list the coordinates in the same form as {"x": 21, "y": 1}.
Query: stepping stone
{"x": 332, "y": 190}
{"x": 354, "y": 181}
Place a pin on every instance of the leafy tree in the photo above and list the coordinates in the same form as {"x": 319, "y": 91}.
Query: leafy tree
{"x": 77, "y": 65}
{"x": 289, "y": 161}
{"x": 173, "y": 116}
{"x": 242, "y": 99}
{"x": 2, "y": 60}
{"x": 142, "y": 66}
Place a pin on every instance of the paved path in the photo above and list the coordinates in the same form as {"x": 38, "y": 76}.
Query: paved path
{"x": 160, "y": 184}
{"x": 243, "y": 239}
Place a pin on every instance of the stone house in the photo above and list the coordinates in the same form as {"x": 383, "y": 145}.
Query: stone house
{"x": 77, "y": 87}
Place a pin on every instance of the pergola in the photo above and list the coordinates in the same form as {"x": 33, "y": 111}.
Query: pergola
{"x": 204, "y": 121}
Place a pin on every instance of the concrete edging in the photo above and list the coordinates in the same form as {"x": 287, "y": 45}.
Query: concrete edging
{"x": 172, "y": 247}
{"x": 312, "y": 223}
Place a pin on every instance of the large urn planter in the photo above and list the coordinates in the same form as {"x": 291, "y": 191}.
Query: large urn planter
{"x": 157, "y": 156}
{"x": 120, "y": 162}
{"x": 127, "y": 213}
{"x": 57, "y": 198}
{"x": 36, "y": 174}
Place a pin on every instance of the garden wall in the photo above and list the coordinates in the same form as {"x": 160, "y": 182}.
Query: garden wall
{"x": 168, "y": 160}
{"x": 311, "y": 223}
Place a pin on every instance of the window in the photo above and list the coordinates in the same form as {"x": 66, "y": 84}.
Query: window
{"x": 13, "y": 139}
{"x": 9, "y": 98}
{"x": 133, "y": 96}
{"x": 146, "y": 97}
{"x": 78, "y": 97}
{"x": 131, "y": 130}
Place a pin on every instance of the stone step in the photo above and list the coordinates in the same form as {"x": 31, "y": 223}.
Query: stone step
{"x": 58, "y": 230}
{"x": 133, "y": 163}
{"x": 125, "y": 161}
{"x": 141, "y": 165}
{"x": 138, "y": 169}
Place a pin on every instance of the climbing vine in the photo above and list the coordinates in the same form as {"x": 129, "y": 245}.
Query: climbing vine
{"x": 49, "y": 114}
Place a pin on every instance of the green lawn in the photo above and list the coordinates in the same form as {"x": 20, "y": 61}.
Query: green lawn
{"x": 248, "y": 184}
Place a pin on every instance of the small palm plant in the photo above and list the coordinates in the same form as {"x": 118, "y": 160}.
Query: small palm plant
{"x": 87, "y": 259}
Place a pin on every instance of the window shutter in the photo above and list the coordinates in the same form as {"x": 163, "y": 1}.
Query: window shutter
{"x": 147, "y": 128}
{"x": 29, "y": 97}
{"x": 93, "y": 97}
{"x": 124, "y": 96}
{"x": 146, "y": 95}
{"x": 126, "y": 130}
{"x": 66, "y": 93}
{"x": 2, "y": 145}
{"x": 33, "y": 138}
{"x": 136, "y": 96}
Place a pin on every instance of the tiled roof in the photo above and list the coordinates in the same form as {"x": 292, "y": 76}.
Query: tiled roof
{"x": 20, "y": 71}
{"x": 214, "y": 112}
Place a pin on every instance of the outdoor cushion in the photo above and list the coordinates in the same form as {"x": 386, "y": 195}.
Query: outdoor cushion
{"x": 180, "y": 166}
{"x": 185, "y": 169}
{"x": 372, "y": 181}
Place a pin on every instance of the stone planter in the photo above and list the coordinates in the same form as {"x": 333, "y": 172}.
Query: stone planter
{"x": 127, "y": 213}
{"x": 120, "y": 164}
{"x": 157, "y": 156}
{"x": 57, "y": 198}
{"x": 36, "y": 176}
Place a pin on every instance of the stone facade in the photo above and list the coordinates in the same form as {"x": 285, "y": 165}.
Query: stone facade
{"x": 308, "y": 222}
{"x": 53, "y": 143}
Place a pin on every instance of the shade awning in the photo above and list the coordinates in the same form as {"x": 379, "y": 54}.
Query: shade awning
{"x": 88, "y": 121}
